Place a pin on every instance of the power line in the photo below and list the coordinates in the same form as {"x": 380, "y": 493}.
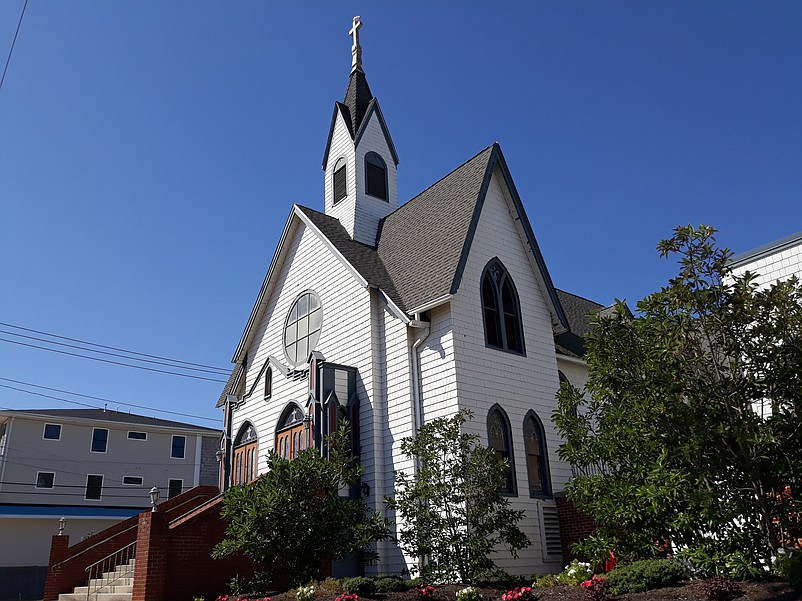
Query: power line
{"x": 13, "y": 43}
{"x": 105, "y": 400}
{"x": 216, "y": 371}
{"x": 113, "y": 348}
{"x": 55, "y": 398}
{"x": 161, "y": 371}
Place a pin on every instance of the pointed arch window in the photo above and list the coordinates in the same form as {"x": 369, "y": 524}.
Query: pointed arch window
{"x": 302, "y": 332}
{"x": 501, "y": 309}
{"x": 268, "y": 382}
{"x": 245, "y": 457}
{"x": 375, "y": 176}
{"x": 292, "y": 436}
{"x": 340, "y": 180}
{"x": 499, "y": 439}
{"x": 537, "y": 464}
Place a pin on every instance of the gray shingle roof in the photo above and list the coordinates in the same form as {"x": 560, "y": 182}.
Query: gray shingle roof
{"x": 357, "y": 98}
{"x": 110, "y": 416}
{"x": 421, "y": 243}
{"x": 578, "y": 311}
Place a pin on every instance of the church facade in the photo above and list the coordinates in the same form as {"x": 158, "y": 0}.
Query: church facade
{"x": 391, "y": 315}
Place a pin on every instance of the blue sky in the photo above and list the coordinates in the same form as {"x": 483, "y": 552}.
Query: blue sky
{"x": 150, "y": 152}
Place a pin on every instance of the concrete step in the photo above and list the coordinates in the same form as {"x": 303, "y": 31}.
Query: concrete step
{"x": 95, "y": 597}
{"x": 121, "y": 581}
{"x": 108, "y": 588}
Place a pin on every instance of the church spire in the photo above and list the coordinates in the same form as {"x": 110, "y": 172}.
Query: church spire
{"x": 358, "y": 95}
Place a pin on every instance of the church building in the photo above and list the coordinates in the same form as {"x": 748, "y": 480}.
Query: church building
{"x": 392, "y": 314}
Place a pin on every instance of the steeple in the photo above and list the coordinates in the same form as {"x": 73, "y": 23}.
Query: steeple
{"x": 360, "y": 161}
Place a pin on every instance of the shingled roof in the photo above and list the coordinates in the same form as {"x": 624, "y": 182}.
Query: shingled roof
{"x": 578, "y": 311}
{"x": 357, "y": 99}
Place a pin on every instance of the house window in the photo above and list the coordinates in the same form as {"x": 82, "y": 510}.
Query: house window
{"x": 340, "y": 182}
{"x": 174, "y": 487}
{"x": 245, "y": 457}
{"x": 498, "y": 436}
{"x": 501, "y": 309}
{"x": 375, "y": 176}
{"x": 137, "y": 435}
{"x": 100, "y": 440}
{"x": 45, "y": 479}
{"x": 132, "y": 480}
{"x": 537, "y": 469}
{"x": 94, "y": 487}
{"x": 178, "y": 447}
{"x": 52, "y": 432}
{"x": 291, "y": 436}
{"x": 302, "y": 331}
{"x": 268, "y": 383}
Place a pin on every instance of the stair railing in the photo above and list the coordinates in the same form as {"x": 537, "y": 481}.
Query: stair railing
{"x": 103, "y": 572}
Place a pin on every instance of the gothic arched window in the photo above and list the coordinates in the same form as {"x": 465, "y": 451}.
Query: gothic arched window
{"x": 537, "y": 462}
{"x": 498, "y": 437}
{"x": 501, "y": 309}
{"x": 375, "y": 176}
{"x": 291, "y": 435}
{"x": 339, "y": 180}
{"x": 245, "y": 458}
{"x": 268, "y": 382}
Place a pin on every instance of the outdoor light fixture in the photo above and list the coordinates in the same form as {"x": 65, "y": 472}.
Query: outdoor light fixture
{"x": 219, "y": 455}
{"x": 61, "y": 523}
{"x": 154, "y": 498}
{"x": 365, "y": 489}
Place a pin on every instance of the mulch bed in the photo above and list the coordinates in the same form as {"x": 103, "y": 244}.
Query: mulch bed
{"x": 691, "y": 591}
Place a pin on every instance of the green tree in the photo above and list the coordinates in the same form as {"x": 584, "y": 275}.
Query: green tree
{"x": 452, "y": 511}
{"x": 693, "y": 423}
{"x": 292, "y": 518}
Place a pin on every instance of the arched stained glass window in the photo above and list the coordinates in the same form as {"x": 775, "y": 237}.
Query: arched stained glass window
{"x": 501, "y": 309}
{"x": 245, "y": 457}
{"x": 291, "y": 435}
{"x": 498, "y": 436}
{"x": 537, "y": 468}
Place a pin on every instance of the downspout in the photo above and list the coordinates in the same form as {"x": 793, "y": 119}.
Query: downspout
{"x": 417, "y": 399}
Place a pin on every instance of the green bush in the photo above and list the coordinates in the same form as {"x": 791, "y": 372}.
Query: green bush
{"x": 389, "y": 584}
{"x": 359, "y": 585}
{"x": 546, "y": 581}
{"x": 645, "y": 575}
{"x": 789, "y": 568}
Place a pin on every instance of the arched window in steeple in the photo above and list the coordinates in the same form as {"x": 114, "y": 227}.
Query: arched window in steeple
{"x": 375, "y": 176}
{"x": 339, "y": 180}
{"x": 499, "y": 439}
{"x": 537, "y": 463}
{"x": 501, "y": 309}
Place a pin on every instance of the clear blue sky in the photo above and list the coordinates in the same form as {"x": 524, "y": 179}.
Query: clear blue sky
{"x": 150, "y": 152}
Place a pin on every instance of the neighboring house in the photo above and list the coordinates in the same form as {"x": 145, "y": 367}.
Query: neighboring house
{"x": 394, "y": 314}
{"x": 771, "y": 262}
{"x": 92, "y": 467}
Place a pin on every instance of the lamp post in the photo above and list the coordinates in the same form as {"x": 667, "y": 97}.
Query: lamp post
{"x": 154, "y": 498}
{"x": 61, "y": 523}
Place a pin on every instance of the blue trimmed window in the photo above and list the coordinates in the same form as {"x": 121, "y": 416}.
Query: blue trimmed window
{"x": 375, "y": 176}
{"x": 501, "y": 309}
{"x": 537, "y": 462}
{"x": 499, "y": 439}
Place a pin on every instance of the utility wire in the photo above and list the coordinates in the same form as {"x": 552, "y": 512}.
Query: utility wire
{"x": 162, "y": 371}
{"x": 216, "y": 371}
{"x": 63, "y": 400}
{"x": 105, "y": 400}
{"x": 225, "y": 370}
{"x": 13, "y": 43}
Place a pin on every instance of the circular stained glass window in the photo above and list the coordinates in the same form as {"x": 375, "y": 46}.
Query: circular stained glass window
{"x": 303, "y": 328}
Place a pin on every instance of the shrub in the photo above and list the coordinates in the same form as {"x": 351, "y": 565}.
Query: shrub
{"x": 722, "y": 589}
{"x": 389, "y": 584}
{"x": 596, "y": 588}
{"x": 546, "y": 581}
{"x": 789, "y": 568}
{"x": 645, "y": 575}
{"x": 469, "y": 594}
{"x": 306, "y": 593}
{"x": 575, "y": 573}
{"x": 359, "y": 586}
